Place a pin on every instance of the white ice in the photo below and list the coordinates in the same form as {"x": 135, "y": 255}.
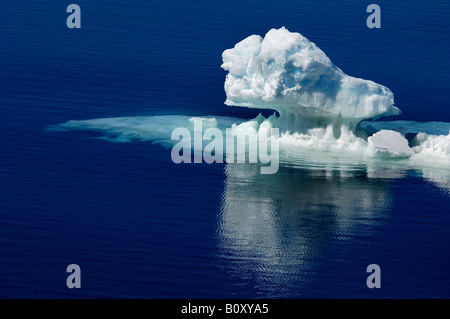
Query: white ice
{"x": 286, "y": 72}
{"x": 387, "y": 143}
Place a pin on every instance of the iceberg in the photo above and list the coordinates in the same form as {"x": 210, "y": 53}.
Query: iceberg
{"x": 326, "y": 118}
{"x": 320, "y": 107}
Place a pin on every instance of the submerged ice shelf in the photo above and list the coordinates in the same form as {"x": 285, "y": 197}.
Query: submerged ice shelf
{"x": 323, "y": 114}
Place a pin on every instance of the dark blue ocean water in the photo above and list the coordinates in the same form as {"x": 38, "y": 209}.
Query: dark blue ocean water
{"x": 141, "y": 226}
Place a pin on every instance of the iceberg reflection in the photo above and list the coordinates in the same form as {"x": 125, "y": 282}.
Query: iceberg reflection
{"x": 274, "y": 229}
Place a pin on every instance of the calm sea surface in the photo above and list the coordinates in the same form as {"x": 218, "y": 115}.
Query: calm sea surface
{"x": 141, "y": 226}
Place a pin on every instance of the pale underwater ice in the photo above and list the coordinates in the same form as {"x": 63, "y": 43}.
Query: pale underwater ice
{"x": 327, "y": 119}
